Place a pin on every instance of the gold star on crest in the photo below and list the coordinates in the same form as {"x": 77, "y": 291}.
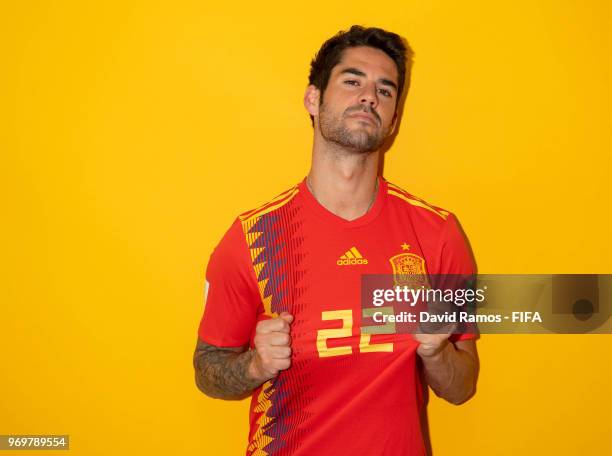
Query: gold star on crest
{"x": 405, "y": 246}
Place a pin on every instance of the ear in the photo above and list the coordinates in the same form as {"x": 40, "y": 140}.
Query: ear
{"x": 311, "y": 100}
{"x": 393, "y": 123}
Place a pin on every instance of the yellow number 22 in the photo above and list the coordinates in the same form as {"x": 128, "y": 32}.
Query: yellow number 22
{"x": 346, "y": 331}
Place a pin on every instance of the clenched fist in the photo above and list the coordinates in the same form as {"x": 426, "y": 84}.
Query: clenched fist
{"x": 433, "y": 341}
{"x": 272, "y": 347}
{"x": 431, "y": 344}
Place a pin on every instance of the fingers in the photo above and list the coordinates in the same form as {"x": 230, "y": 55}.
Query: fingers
{"x": 273, "y": 344}
{"x": 278, "y": 324}
{"x": 431, "y": 338}
{"x": 437, "y": 328}
{"x": 273, "y": 359}
{"x": 286, "y": 316}
{"x": 275, "y": 352}
{"x": 273, "y": 366}
{"x": 275, "y": 338}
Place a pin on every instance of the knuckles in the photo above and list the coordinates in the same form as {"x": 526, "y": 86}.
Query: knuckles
{"x": 272, "y": 343}
{"x": 271, "y": 339}
{"x": 283, "y": 364}
{"x": 272, "y": 324}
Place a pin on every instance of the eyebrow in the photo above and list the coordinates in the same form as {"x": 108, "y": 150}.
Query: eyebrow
{"x": 358, "y": 72}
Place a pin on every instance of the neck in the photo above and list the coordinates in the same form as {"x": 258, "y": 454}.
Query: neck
{"x": 343, "y": 182}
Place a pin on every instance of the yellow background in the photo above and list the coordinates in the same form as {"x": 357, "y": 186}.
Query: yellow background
{"x": 133, "y": 132}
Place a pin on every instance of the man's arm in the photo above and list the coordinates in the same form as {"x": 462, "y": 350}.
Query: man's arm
{"x": 451, "y": 369}
{"x": 222, "y": 372}
{"x": 234, "y": 372}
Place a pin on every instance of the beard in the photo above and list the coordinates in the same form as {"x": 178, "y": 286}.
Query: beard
{"x": 359, "y": 140}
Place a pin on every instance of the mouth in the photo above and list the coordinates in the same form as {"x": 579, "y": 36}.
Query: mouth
{"x": 364, "y": 116}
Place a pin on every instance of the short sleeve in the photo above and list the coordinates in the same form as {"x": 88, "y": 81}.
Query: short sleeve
{"x": 231, "y": 299}
{"x": 455, "y": 257}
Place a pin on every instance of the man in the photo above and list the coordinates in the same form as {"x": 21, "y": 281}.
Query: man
{"x": 282, "y": 319}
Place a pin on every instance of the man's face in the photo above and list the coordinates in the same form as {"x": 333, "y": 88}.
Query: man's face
{"x": 357, "y": 111}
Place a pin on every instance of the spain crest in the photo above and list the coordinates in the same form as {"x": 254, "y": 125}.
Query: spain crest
{"x": 409, "y": 270}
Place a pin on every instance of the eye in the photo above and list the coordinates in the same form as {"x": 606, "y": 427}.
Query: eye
{"x": 352, "y": 82}
{"x": 385, "y": 92}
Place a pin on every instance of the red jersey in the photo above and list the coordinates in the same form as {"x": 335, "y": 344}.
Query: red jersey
{"x": 346, "y": 392}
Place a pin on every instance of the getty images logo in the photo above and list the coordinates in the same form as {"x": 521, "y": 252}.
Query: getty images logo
{"x": 351, "y": 257}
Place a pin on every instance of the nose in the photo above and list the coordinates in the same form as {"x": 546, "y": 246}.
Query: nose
{"x": 369, "y": 96}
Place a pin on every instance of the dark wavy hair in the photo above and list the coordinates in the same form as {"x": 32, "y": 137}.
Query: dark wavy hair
{"x": 330, "y": 55}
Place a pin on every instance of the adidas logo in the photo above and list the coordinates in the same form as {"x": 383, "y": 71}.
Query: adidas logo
{"x": 351, "y": 257}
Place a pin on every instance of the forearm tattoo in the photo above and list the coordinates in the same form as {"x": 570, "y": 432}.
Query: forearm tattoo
{"x": 221, "y": 372}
